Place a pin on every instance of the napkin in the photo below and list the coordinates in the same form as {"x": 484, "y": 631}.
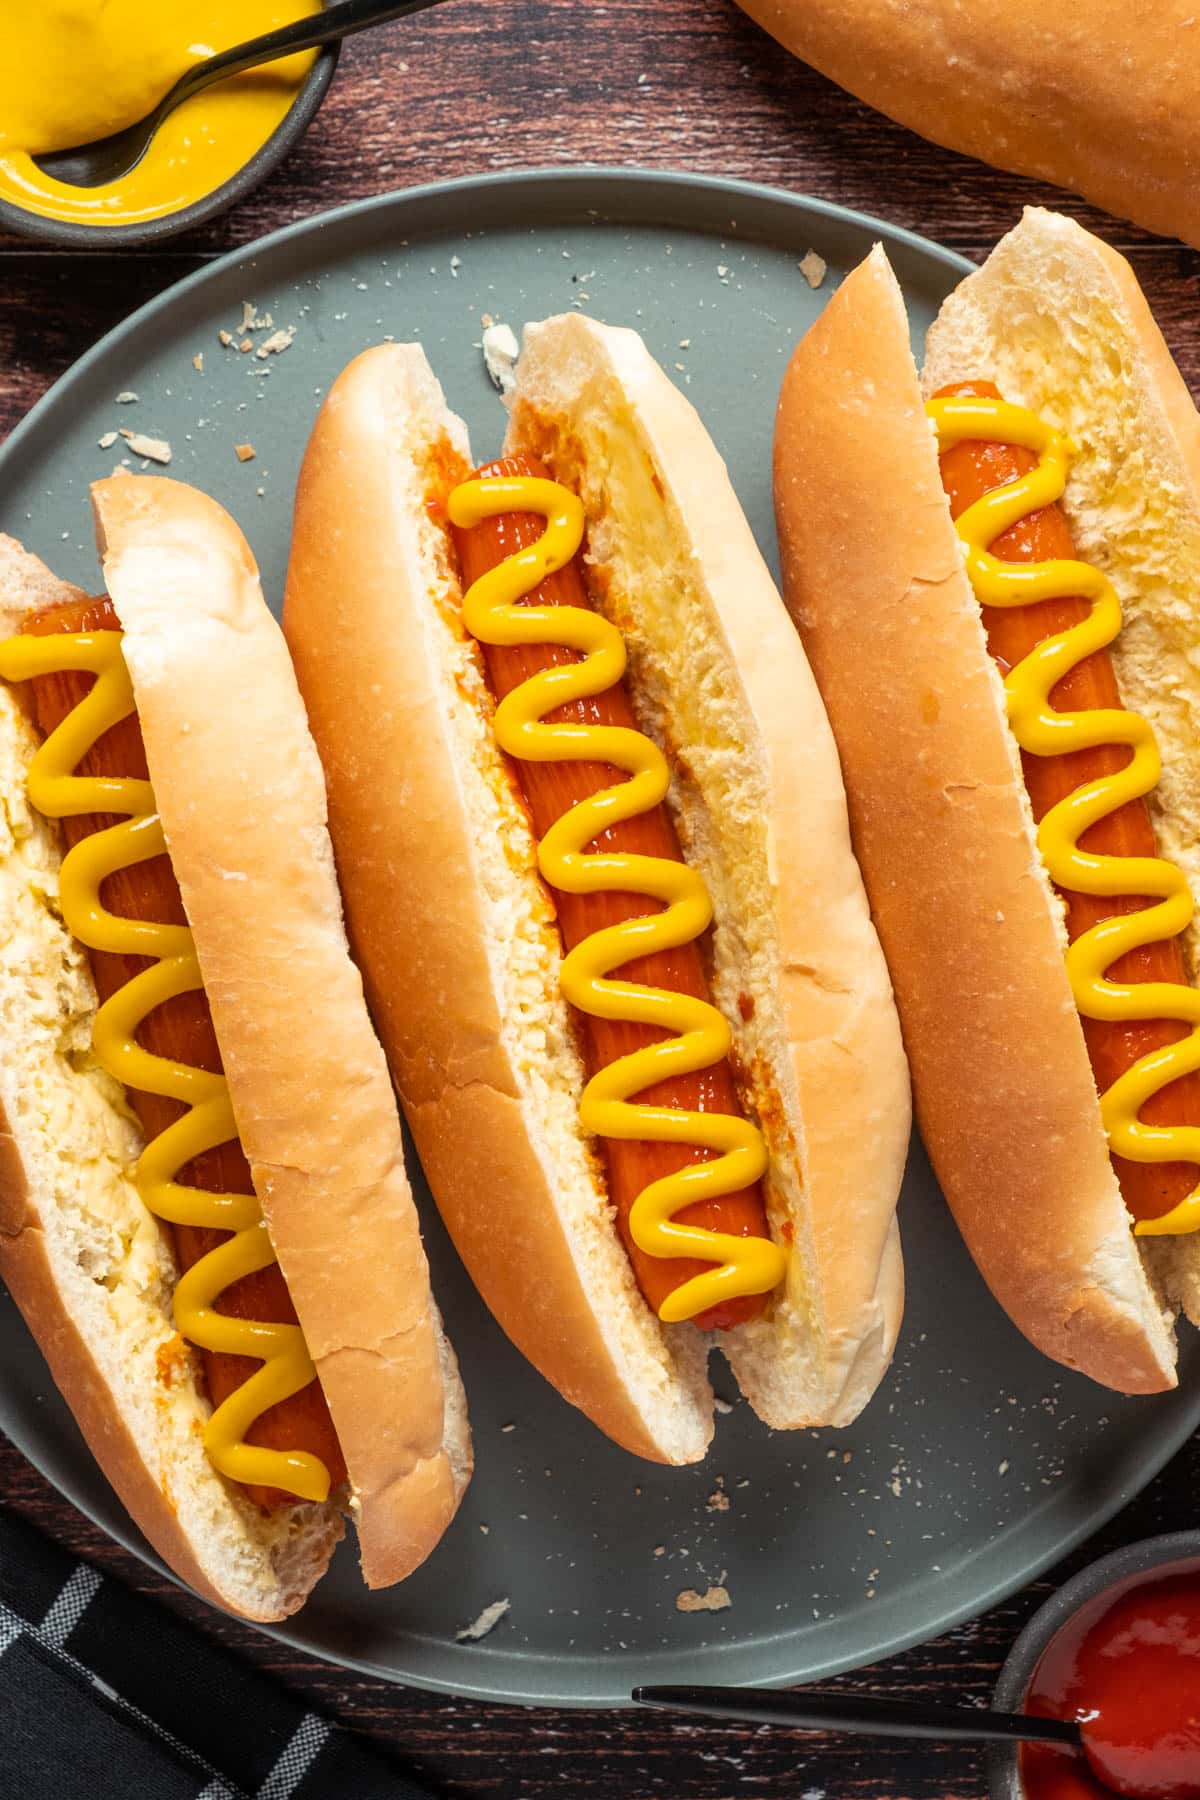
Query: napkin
{"x": 104, "y": 1693}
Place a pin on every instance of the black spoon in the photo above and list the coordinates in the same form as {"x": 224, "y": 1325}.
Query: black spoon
{"x": 848, "y": 1712}
{"x": 1171, "y": 1770}
{"x": 108, "y": 159}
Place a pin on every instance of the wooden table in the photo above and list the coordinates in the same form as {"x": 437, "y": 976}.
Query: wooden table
{"x": 492, "y": 84}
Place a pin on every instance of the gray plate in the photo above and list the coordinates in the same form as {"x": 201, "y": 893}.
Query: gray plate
{"x": 978, "y": 1463}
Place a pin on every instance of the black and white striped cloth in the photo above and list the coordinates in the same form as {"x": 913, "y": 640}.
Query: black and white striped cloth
{"x": 103, "y": 1693}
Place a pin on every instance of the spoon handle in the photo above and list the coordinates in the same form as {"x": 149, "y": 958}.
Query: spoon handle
{"x": 850, "y": 1712}
{"x": 310, "y": 33}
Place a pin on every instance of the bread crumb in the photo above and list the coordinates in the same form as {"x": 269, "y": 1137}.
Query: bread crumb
{"x": 713, "y": 1599}
{"x": 128, "y": 398}
{"x": 198, "y": 362}
{"x": 500, "y": 353}
{"x": 251, "y": 320}
{"x": 660, "y": 1549}
{"x": 108, "y": 440}
{"x": 226, "y": 337}
{"x": 487, "y": 1621}
{"x": 153, "y": 449}
{"x": 718, "y": 1500}
{"x": 813, "y": 268}
{"x": 172, "y": 1359}
{"x": 721, "y": 1406}
{"x": 246, "y": 345}
{"x": 245, "y": 452}
{"x": 509, "y": 1427}
{"x": 277, "y": 343}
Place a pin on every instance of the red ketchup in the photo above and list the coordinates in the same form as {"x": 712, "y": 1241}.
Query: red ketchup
{"x": 1127, "y": 1666}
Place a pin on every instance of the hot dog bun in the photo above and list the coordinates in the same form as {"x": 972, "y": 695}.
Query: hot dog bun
{"x": 241, "y": 796}
{"x": 1103, "y": 100}
{"x": 459, "y": 946}
{"x": 971, "y": 926}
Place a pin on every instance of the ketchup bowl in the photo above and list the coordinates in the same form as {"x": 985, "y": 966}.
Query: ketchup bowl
{"x": 1117, "y": 1647}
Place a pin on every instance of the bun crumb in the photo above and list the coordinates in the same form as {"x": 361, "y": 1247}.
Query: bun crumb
{"x": 713, "y": 1599}
{"x": 487, "y": 1621}
{"x": 813, "y": 268}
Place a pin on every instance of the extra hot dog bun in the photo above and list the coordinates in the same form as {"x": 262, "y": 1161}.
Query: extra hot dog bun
{"x": 240, "y": 792}
{"x": 452, "y": 928}
{"x": 873, "y": 573}
{"x": 1102, "y": 99}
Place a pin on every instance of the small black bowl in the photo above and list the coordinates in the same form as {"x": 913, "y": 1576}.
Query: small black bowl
{"x": 1004, "y": 1780}
{"x": 283, "y": 139}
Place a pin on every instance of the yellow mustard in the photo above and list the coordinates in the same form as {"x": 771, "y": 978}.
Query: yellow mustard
{"x": 73, "y": 71}
{"x": 58, "y": 793}
{"x": 491, "y": 613}
{"x": 1043, "y": 731}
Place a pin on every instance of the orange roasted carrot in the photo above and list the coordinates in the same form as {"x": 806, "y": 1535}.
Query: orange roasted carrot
{"x": 552, "y": 789}
{"x": 181, "y": 1029}
{"x": 970, "y": 470}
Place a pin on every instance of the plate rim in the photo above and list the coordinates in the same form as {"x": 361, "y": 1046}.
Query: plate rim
{"x": 554, "y": 175}
{"x": 615, "y": 184}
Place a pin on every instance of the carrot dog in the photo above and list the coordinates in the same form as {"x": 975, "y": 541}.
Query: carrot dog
{"x": 551, "y": 789}
{"x": 613, "y": 934}
{"x": 1009, "y": 663}
{"x": 970, "y": 470}
{"x": 214, "y": 1273}
{"x": 182, "y": 1030}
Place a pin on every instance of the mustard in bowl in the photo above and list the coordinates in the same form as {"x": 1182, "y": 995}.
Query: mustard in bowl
{"x": 77, "y": 70}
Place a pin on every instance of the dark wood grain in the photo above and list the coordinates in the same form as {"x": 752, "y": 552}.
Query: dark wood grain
{"x": 492, "y": 84}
